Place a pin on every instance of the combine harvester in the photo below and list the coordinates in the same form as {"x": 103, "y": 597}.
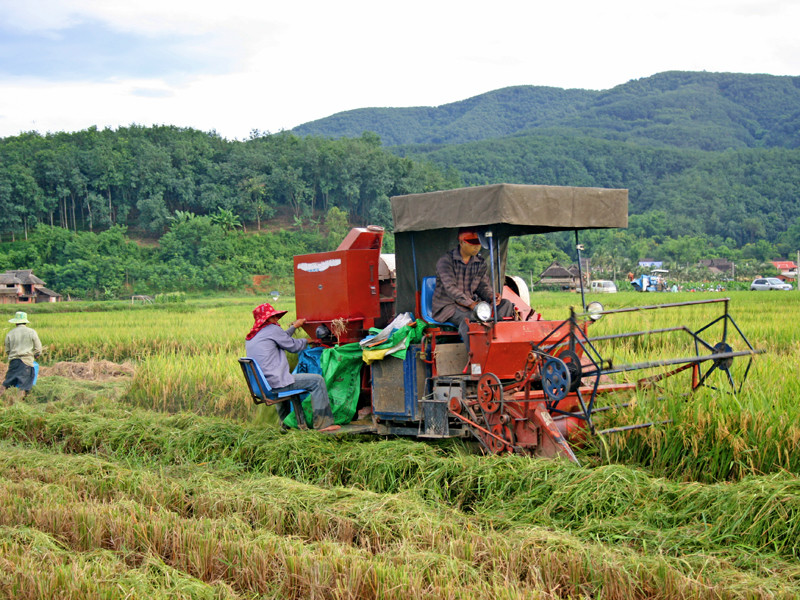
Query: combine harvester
{"x": 531, "y": 386}
{"x": 655, "y": 282}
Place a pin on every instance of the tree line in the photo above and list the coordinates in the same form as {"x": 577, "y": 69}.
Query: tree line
{"x": 141, "y": 176}
{"x": 201, "y": 202}
{"x": 736, "y": 198}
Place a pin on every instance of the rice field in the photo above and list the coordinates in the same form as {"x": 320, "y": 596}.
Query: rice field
{"x": 139, "y": 469}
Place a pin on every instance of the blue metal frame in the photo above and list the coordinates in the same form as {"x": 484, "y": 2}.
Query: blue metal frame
{"x": 262, "y": 393}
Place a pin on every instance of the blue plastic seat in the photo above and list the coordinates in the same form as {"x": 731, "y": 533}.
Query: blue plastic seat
{"x": 426, "y": 302}
{"x": 263, "y": 393}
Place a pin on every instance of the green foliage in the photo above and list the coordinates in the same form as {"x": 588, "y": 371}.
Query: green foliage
{"x": 336, "y": 222}
{"x": 528, "y": 256}
{"x": 196, "y": 254}
{"x": 170, "y": 297}
{"x": 226, "y": 219}
{"x": 149, "y": 178}
{"x": 742, "y": 195}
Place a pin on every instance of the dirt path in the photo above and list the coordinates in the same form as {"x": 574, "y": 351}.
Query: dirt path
{"x": 93, "y": 370}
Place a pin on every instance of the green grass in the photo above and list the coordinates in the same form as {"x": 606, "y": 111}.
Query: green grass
{"x": 171, "y": 484}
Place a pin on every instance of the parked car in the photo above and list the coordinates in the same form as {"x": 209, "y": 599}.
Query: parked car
{"x": 605, "y": 286}
{"x": 769, "y": 283}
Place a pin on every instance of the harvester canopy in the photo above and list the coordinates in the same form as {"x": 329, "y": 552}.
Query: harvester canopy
{"x": 426, "y": 225}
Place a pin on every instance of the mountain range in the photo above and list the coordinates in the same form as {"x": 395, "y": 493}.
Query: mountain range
{"x": 706, "y": 111}
{"x": 710, "y": 155}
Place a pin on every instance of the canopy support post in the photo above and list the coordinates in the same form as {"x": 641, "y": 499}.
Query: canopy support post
{"x": 579, "y": 247}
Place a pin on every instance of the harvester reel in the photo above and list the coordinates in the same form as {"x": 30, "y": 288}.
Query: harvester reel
{"x": 556, "y": 380}
{"x": 490, "y": 393}
{"x": 724, "y": 363}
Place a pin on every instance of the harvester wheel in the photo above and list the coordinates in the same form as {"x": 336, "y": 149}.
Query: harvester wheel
{"x": 555, "y": 379}
{"x": 490, "y": 392}
{"x": 723, "y": 363}
{"x": 573, "y": 362}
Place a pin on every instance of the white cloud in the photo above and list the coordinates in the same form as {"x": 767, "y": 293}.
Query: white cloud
{"x": 271, "y": 66}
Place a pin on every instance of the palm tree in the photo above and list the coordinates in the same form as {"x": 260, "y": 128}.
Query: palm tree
{"x": 226, "y": 219}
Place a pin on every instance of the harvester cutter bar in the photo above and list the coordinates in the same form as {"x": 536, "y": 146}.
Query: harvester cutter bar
{"x": 617, "y": 336}
{"x": 677, "y": 361}
{"x": 657, "y": 306}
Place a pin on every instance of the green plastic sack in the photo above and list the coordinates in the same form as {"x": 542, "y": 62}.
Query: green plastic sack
{"x": 341, "y": 369}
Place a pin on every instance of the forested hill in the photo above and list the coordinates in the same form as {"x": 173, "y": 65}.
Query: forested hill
{"x": 706, "y": 111}
{"x": 711, "y": 161}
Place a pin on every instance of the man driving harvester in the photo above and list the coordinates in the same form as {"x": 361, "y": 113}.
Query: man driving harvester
{"x": 461, "y": 282}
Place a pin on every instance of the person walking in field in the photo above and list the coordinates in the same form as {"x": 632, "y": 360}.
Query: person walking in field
{"x": 23, "y": 347}
{"x": 267, "y": 344}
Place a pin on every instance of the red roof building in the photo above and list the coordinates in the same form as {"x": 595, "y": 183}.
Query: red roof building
{"x": 787, "y": 268}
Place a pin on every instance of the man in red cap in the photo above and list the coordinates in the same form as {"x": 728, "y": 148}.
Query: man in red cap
{"x": 461, "y": 282}
{"x": 267, "y": 344}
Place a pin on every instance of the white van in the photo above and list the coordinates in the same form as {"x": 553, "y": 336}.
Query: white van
{"x": 604, "y": 286}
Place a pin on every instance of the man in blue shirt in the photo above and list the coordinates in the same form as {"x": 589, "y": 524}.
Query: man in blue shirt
{"x": 267, "y": 344}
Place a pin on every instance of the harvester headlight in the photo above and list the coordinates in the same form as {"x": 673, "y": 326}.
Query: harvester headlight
{"x": 483, "y": 311}
{"x": 595, "y": 310}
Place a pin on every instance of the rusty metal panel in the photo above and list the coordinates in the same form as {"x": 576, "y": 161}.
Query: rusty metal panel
{"x": 450, "y": 358}
{"x": 388, "y": 387}
{"x": 397, "y": 385}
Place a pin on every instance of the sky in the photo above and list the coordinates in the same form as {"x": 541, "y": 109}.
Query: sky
{"x": 242, "y": 66}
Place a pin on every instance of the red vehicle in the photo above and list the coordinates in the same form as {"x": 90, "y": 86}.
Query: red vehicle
{"x": 532, "y": 385}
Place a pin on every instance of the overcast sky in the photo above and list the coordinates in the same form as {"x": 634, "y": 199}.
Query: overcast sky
{"x": 234, "y": 66}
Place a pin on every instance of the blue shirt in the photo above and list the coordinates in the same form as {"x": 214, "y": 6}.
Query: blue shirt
{"x": 268, "y": 348}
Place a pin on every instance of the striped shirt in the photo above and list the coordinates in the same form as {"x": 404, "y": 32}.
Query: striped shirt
{"x": 458, "y": 283}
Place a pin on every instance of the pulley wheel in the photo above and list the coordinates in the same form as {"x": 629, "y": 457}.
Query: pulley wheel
{"x": 556, "y": 381}
{"x": 490, "y": 392}
{"x": 573, "y": 362}
{"x": 723, "y": 363}
{"x": 502, "y": 431}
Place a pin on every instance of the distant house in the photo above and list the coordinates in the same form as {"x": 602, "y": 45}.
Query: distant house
{"x": 649, "y": 263}
{"x": 558, "y": 276}
{"x": 787, "y": 268}
{"x": 23, "y": 287}
{"x": 718, "y": 266}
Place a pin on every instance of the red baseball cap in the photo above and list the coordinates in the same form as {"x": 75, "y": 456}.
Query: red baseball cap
{"x": 469, "y": 235}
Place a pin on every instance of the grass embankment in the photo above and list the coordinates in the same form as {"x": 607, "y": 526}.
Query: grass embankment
{"x": 104, "y": 493}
